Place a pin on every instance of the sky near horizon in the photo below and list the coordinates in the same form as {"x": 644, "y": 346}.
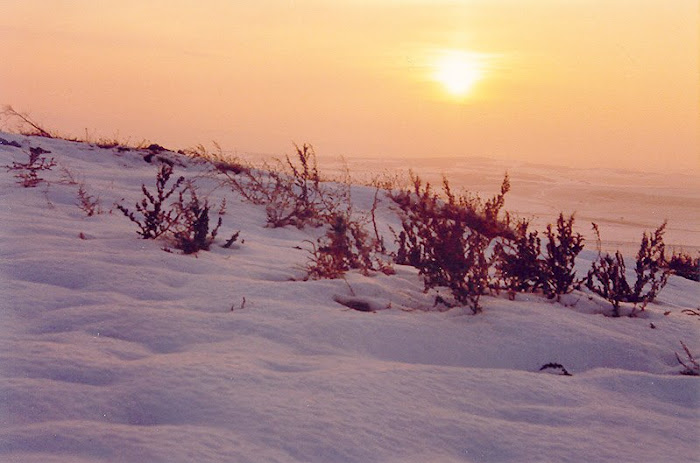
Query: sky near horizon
{"x": 610, "y": 83}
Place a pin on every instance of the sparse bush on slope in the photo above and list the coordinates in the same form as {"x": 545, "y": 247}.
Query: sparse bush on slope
{"x": 293, "y": 194}
{"x": 156, "y": 217}
{"x": 24, "y": 123}
{"x": 291, "y": 191}
{"x": 447, "y": 239}
{"x": 607, "y": 276}
{"x": 27, "y": 173}
{"x": 342, "y": 248}
{"x": 222, "y": 163}
{"x": 88, "y": 203}
{"x": 690, "y": 365}
{"x": 183, "y": 222}
{"x": 522, "y": 266}
{"x": 346, "y": 245}
{"x": 450, "y": 242}
{"x": 190, "y": 232}
{"x": 683, "y": 265}
{"x": 562, "y": 247}
{"x": 519, "y": 265}
{"x": 650, "y": 267}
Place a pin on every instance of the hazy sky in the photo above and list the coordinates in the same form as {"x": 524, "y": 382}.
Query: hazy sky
{"x": 574, "y": 82}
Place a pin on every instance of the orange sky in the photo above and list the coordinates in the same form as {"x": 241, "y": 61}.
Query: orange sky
{"x": 609, "y": 83}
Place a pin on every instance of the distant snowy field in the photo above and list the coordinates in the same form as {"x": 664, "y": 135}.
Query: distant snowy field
{"x": 116, "y": 351}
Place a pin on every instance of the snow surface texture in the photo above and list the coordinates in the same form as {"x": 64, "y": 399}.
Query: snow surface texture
{"x": 116, "y": 351}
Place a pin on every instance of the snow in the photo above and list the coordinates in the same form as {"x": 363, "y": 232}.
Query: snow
{"x": 114, "y": 350}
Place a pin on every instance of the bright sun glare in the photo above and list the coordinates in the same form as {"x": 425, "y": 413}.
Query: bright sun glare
{"x": 458, "y": 72}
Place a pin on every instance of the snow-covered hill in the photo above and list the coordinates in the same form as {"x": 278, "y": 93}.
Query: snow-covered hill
{"x": 114, "y": 350}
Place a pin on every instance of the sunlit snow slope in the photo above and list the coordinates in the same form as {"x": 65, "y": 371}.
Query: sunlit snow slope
{"x": 114, "y": 350}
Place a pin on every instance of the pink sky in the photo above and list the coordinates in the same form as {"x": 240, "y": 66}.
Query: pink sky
{"x": 604, "y": 83}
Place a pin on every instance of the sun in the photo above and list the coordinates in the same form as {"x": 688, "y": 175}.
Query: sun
{"x": 458, "y": 72}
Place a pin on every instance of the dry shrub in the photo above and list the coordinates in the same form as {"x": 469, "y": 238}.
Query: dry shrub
{"x": 221, "y": 162}
{"x": 447, "y": 239}
{"x": 292, "y": 193}
{"x": 650, "y": 266}
{"x": 88, "y": 203}
{"x": 522, "y": 266}
{"x": 184, "y": 222}
{"x": 290, "y": 190}
{"x": 519, "y": 266}
{"x": 691, "y": 365}
{"x": 472, "y": 246}
{"x": 190, "y": 232}
{"x": 684, "y": 265}
{"x": 27, "y": 173}
{"x": 156, "y": 217}
{"x": 562, "y": 247}
{"x": 607, "y": 276}
{"x": 346, "y": 245}
{"x": 24, "y": 123}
